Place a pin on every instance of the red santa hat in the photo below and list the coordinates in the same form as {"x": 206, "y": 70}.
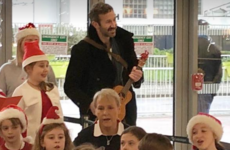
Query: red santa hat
{"x": 28, "y": 29}
{"x": 208, "y": 120}
{"x": 32, "y": 53}
{"x": 13, "y": 111}
{"x": 2, "y": 94}
{"x": 52, "y": 116}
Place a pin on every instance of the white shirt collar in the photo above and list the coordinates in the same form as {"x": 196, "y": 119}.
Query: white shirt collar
{"x": 97, "y": 130}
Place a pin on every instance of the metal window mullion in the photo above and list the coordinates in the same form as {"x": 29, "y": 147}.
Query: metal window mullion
{"x": 6, "y": 26}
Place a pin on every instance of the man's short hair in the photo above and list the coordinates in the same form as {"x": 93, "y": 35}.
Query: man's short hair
{"x": 99, "y": 8}
{"x": 202, "y": 22}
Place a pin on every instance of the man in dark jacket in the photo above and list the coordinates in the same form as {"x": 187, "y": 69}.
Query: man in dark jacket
{"x": 209, "y": 63}
{"x": 91, "y": 69}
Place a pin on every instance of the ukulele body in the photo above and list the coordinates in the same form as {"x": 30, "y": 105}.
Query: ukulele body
{"x": 124, "y": 100}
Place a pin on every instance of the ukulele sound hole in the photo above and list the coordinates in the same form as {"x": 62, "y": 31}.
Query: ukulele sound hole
{"x": 122, "y": 95}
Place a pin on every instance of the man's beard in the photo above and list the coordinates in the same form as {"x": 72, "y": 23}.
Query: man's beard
{"x": 106, "y": 32}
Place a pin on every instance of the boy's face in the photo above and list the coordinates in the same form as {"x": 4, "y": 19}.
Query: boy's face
{"x": 10, "y": 133}
{"x": 54, "y": 139}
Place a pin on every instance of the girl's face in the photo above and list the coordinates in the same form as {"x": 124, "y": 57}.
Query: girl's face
{"x": 54, "y": 139}
{"x": 203, "y": 137}
{"x": 11, "y": 133}
{"x": 29, "y": 38}
{"x": 38, "y": 72}
{"x": 129, "y": 142}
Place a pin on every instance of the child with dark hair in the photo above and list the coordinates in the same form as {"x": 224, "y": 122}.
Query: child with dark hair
{"x": 154, "y": 141}
{"x": 204, "y": 132}
{"x": 131, "y": 137}
{"x": 13, "y": 129}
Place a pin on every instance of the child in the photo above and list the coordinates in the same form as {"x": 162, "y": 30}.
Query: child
{"x": 53, "y": 133}
{"x": 154, "y": 141}
{"x": 37, "y": 95}
{"x": 204, "y": 132}
{"x": 131, "y": 137}
{"x": 13, "y": 123}
{"x": 11, "y": 73}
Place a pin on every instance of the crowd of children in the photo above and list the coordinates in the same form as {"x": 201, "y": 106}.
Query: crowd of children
{"x": 36, "y": 122}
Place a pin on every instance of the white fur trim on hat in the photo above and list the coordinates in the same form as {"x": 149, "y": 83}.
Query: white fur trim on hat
{"x": 14, "y": 113}
{"x": 25, "y": 32}
{"x": 34, "y": 59}
{"x": 50, "y": 121}
{"x": 28, "y": 139}
{"x": 209, "y": 121}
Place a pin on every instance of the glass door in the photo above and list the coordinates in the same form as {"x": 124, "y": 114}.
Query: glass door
{"x": 214, "y": 60}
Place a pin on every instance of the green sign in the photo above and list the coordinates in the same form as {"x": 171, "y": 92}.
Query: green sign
{"x": 143, "y": 43}
{"x": 54, "y": 44}
{"x": 143, "y": 39}
{"x": 54, "y": 38}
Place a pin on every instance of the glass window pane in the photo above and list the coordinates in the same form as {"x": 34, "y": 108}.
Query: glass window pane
{"x": 214, "y": 60}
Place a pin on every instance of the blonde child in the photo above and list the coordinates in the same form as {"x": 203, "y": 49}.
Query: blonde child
{"x": 13, "y": 123}
{"x": 53, "y": 133}
{"x": 131, "y": 137}
{"x": 204, "y": 132}
{"x": 11, "y": 73}
{"x": 37, "y": 95}
{"x": 154, "y": 141}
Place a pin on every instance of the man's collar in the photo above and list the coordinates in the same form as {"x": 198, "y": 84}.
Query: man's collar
{"x": 97, "y": 130}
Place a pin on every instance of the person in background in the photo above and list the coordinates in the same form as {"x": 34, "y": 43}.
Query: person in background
{"x": 13, "y": 129}
{"x": 205, "y": 132}
{"x": 209, "y": 63}
{"x": 131, "y": 137}
{"x": 106, "y": 131}
{"x": 92, "y": 69}
{"x": 11, "y": 73}
{"x": 154, "y": 141}
{"x": 52, "y": 133}
{"x": 37, "y": 94}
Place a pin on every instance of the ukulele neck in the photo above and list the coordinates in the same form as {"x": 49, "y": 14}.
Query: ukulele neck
{"x": 128, "y": 85}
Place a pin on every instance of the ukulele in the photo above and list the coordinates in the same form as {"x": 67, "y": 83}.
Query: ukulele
{"x": 124, "y": 92}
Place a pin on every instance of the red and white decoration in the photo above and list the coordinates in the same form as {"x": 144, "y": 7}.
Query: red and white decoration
{"x": 33, "y": 53}
{"x": 52, "y": 116}
{"x": 28, "y": 29}
{"x": 2, "y": 94}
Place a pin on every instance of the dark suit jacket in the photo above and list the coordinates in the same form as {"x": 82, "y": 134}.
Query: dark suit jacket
{"x": 90, "y": 69}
